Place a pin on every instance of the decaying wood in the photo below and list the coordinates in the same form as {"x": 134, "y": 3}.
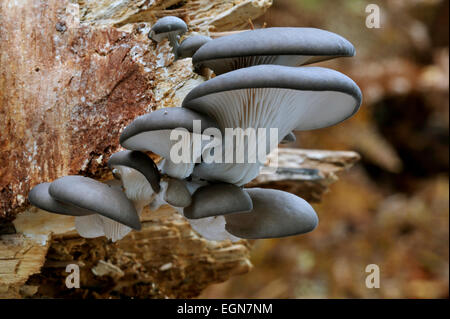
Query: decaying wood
{"x": 307, "y": 173}
{"x": 201, "y": 15}
{"x": 166, "y": 259}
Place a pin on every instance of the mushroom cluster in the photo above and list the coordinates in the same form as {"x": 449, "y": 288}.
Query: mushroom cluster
{"x": 260, "y": 82}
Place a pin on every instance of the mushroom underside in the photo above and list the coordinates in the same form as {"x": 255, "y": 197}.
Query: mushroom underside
{"x": 266, "y": 108}
{"x": 212, "y": 228}
{"x": 135, "y": 185}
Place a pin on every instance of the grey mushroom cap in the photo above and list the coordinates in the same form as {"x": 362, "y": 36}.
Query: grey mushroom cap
{"x": 290, "y": 138}
{"x": 140, "y": 162}
{"x": 218, "y": 199}
{"x": 275, "y": 214}
{"x": 177, "y": 193}
{"x": 191, "y": 44}
{"x": 337, "y": 97}
{"x": 163, "y": 119}
{"x": 95, "y": 196}
{"x": 283, "y": 46}
{"x": 166, "y": 25}
{"x": 40, "y": 197}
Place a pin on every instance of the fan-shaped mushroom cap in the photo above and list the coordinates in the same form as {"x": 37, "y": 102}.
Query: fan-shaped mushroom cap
{"x": 167, "y": 26}
{"x": 271, "y": 96}
{"x": 191, "y": 44}
{"x": 151, "y": 132}
{"x": 282, "y": 46}
{"x": 171, "y": 28}
{"x": 218, "y": 199}
{"x": 95, "y": 196}
{"x": 290, "y": 138}
{"x": 40, "y": 197}
{"x": 140, "y": 162}
{"x": 275, "y": 214}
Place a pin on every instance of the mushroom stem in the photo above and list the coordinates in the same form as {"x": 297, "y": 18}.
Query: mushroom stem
{"x": 173, "y": 40}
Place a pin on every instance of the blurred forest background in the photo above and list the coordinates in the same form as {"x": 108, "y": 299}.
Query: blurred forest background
{"x": 392, "y": 209}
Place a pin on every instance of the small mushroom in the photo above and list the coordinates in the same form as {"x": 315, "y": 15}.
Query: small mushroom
{"x": 218, "y": 199}
{"x": 275, "y": 214}
{"x": 168, "y": 27}
{"x": 191, "y": 44}
{"x": 270, "y": 96}
{"x": 151, "y": 132}
{"x": 282, "y": 46}
{"x": 290, "y": 138}
{"x": 100, "y": 198}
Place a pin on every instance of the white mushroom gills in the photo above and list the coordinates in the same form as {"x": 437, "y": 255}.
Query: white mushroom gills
{"x": 267, "y": 108}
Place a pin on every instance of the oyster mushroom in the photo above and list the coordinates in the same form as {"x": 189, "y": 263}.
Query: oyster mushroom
{"x": 275, "y": 214}
{"x": 217, "y": 199}
{"x": 39, "y": 197}
{"x": 138, "y": 161}
{"x": 191, "y": 44}
{"x": 270, "y": 97}
{"x": 168, "y": 27}
{"x": 152, "y": 131}
{"x": 93, "y": 226}
{"x": 92, "y": 195}
{"x": 177, "y": 194}
{"x": 139, "y": 175}
{"x": 99, "y": 209}
{"x": 211, "y": 228}
{"x": 142, "y": 181}
{"x": 282, "y": 46}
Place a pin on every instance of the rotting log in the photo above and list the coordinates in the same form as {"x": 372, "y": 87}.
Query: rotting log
{"x": 73, "y": 74}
